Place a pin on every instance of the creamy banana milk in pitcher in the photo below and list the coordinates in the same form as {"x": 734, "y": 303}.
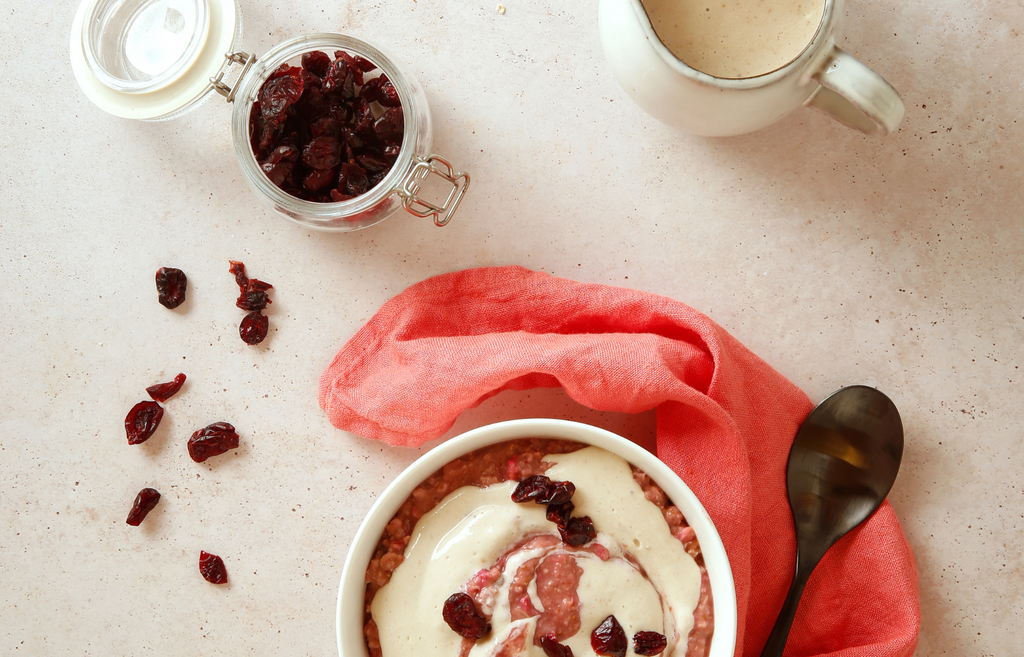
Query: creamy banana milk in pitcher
{"x": 728, "y": 67}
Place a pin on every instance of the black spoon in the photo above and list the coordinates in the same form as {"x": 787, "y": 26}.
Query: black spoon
{"x": 843, "y": 463}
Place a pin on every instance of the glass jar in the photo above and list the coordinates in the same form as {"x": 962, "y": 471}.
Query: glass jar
{"x": 153, "y": 60}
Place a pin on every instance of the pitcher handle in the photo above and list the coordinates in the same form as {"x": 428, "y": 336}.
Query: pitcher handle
{"x": 854, "y": 95}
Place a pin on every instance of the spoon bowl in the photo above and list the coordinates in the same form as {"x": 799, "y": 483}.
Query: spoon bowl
{"x": 842, "y": 465}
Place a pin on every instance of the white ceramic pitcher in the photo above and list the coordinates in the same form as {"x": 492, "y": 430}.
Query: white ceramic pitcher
{"x": 822, "y": 76}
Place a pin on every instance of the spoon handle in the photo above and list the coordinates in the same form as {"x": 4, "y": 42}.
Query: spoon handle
{"x": 780, "y": 632}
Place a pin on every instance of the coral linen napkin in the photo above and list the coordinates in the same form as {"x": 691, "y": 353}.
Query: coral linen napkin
{"x": 725, "y": 423}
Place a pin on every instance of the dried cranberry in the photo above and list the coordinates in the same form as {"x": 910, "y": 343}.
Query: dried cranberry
{"x": 542, "y": 490}
{"x": 254, "y": 327}
{"x": 310, "y": 81}
{"x": 560, "y": 513}
{"x": 363, "y": 119}
{"x": 335, "y": 78}
{"x": 380, "y": 90}
{"x": 372, "y": 163}
{"x": 390, "y": 125}
{"x": 256, "y": 285}
{"x": 316, "y": 62}
{"x": 371, "y": 90}
{"x": 338, "y": 197}
{"x": 578, "y": 531}
{"x": 238, "y": 269}
{"x": 389, "y": 95}
{"x": 352, "y": 179}
{"x": 164, "y": 391}
{"x": 277, "y": 95}
{"x": 253, "y": 297}
{"x": 462, "y": 616}
{"x": 351, "y": 139}
{"x": 559, "y": 492}
{"x": 373, "y": 178}
{"x": 350, "y": 65}
{"x": 212, "y": 568}
{"x": 145, "y": 501}
{"x": 283, "y": 70}
{"x": 609, "y": 638}
{"x": 325, "y": 127}
{"x": 280, "y": 163}
{"x": 529, "y": 489}
{"x": 316, "y": 180}
{"x": 364, "y": 65}
{"x": 212, "y": 440}
{"x": 649, "y": 643}
{"x": 322, "y": 153}
{"x": 266, "y": 135}
{"x": 312, "y": 103}
{"x": 255, "y": 300}
{"x": 285, "y": 153}
{"x": 170, "y": 287}
{"x": 552, "y": 648}
{"x": 142, "y": 421}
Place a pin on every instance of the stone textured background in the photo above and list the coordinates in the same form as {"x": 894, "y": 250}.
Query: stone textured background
{"x": 837, "y": 258}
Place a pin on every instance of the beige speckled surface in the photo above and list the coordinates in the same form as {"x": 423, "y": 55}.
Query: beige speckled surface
{"x": 838, "y": 258}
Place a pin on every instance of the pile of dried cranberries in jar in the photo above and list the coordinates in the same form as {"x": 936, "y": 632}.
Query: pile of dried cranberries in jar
{"x": 328, "y": 130}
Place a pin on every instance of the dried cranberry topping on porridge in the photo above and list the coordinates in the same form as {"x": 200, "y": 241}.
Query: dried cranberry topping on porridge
{"x": 538, "y": 547}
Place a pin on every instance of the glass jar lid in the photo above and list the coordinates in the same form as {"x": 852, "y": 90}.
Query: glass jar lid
{"x": 151, "y": 59}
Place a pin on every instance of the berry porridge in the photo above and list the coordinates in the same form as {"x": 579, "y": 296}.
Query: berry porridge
{"x": 538, "y": 547}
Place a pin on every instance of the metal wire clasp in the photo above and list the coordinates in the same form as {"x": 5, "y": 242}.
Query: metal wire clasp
{"x": 411, "y": 186}
{"x": 243, "y": 58}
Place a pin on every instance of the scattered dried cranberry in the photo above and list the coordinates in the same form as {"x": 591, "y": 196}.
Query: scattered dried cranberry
{"x": 542, "y": 490}
{"x": 649, "y": 643}
{"x": 145, "y": 501}
{"x": 164, "y": 391}
{"x": 238, "y": 269}
{"x": 552, "y": 648}
{"x": 252, "y": 292}
{"x": 170, "y": 286}
{"x": 609, "y": 638}
{"x": 142, "y": 421}
{"x": 256, "y": 285}
{"x": 255, "y": 300}
{"x": 557, "y": 495}
{"x": 578, "y": 531}
{"x": 462, "y": 616}
{"x": 252, "y": 296}
{"x": 530, "y": 489}
{"x": 212, "y": 568}
{"x": 323, "y": 132}
{"x": 560, "y": 513}
{"x": 212, "y": 440}
{"x": 560, "y": 492}
{"x": 253, "y": 328}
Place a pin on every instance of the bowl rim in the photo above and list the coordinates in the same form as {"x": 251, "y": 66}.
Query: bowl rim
{"x": 352, "y": 587}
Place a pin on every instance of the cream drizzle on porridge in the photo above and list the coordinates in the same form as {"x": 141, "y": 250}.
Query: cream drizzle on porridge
{"x": 502, "y": 553}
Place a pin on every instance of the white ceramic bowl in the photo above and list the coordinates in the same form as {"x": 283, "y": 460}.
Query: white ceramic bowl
{"x": 353, "y": 584}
